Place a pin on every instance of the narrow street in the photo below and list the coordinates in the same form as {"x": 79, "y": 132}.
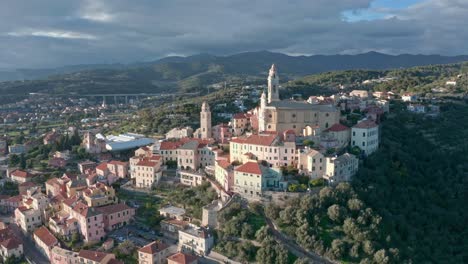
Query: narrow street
{"x": 293, "y": 247}
{"x": 30, "y": 251}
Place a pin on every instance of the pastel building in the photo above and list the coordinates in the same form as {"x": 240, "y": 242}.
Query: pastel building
{"x": 147, "y": 172}
{"x": 263, "y": 147}
{"x": 45, "y": 240}
{"x": 224, "y": 174}
{"x": 116, "y": 215}
{"x": 251, "y": 179}
{"x": 365, "y": 135}
{"x": 99, "y": 195}
{"x": 340, "y": 133}
{"x": 90, "y": 221}
{"x": 275, "y": 115}
{"x": 59, "y": 255}
{"x": 311, "y": 163}
{"x": 155, "y": 252}
{"x": 10, "y": 244}
{"x": 341, "y": 168}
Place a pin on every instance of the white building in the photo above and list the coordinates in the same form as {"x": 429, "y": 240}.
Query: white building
{"x": 409, "y": 98}
{"x": 178, "y": 133}
{"x": 147, "y": 172}
{"x": 194, "y": 239}
{"x": 341, "y": 168}
{"x": 365, "y": 135}
{"x": 311, "y": 163}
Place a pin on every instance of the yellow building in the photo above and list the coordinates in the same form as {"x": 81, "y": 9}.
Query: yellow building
{"x": 281, "y": 115}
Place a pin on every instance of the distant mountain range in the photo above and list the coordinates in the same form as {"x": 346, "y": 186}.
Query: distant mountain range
{"x": 186, "y": 73}
{"x": 253, "y": 63}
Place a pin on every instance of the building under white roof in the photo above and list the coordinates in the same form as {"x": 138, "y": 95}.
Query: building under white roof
{"x": 125, "y": 141}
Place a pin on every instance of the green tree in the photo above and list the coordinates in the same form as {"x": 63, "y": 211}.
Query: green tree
{"x": 14, "y": 160}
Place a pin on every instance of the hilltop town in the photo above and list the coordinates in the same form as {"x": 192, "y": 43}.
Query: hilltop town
{"x": 187, "y": 196}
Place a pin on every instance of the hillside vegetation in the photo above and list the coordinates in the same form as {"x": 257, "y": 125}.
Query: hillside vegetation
{"x": 407, "y": 203}
{"x": 421, "y": 79}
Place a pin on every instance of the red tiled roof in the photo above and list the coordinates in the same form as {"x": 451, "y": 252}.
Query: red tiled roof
{"x": 155, "y": 157}
{"x": 117, "y": 162}
{"x": 8, "y": 239}
{"x": 168, "y": 145}
{"x": 182, "y": 258}
{"x": 113, "y": 208}
{"x": 22, "y": 174}
{"x": 365, "y": 124}
{"x": 45, "y": 236}
{"x": 262, "y": 140}
{"x": 223, "y": 164}
{"x": 153, "y": 247}
{"x": 239, "y": 116}
{"x": 102, "y": 166}
{"x": 92, "y": 255}
{"x": 337, "y": 128}
{"x": 249, "y": 167}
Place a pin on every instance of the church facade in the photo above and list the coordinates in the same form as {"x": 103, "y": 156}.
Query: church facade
{"x": 275, "y": 115}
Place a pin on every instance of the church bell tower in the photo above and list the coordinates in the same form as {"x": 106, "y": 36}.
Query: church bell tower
{"x": 273, "y": 85}
{"x": 205, "y": 121}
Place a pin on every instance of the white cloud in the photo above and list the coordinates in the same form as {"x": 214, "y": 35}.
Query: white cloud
{"x": 51, "y": 34}
{"x": 135, "y": 30}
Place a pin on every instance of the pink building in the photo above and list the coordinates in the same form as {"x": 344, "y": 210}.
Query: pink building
{"x": 119, "y": 168}
{"x": 221, "y": 133}
{"x": 90, "y": 221}
{"x": 116, "y": 215}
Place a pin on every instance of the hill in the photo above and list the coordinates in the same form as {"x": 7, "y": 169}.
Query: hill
{"x": 195, "y": 72}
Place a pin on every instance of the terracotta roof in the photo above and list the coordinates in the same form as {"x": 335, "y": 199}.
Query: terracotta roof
{"x": 113, "y": 208}
{"x": 8, "y": 238}
{"x": 261, "y": 140}
{"x": 153, "y": 247}
{"x": 239, "y": 116}
{"x": 182, "y": 258}
{"x": 337, "y": 128}
{"x": 146, "y": 163}
{"x": 224, "y": 164}
{"x": 168, "y": 145}
{"x": 93, "y": 255}
{"x": 102, "y": 166}
{"x": 45, "y": 236}
{"x": 117, "y": 162}
{"x": 250, "y": 167}
{"x": 22, "y": 174}
{"x": 365, "y": 124}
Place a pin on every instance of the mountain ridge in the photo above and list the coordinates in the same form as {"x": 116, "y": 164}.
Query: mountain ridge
{"x": 256, "y": 62}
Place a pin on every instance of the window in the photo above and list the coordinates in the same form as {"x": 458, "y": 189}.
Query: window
{"x": 363, "y": 134}
{"x": 354, "y": 133}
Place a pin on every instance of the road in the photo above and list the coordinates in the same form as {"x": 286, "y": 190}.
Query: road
{"x": 293, "y": 247}
{"x": 30, "y": 250}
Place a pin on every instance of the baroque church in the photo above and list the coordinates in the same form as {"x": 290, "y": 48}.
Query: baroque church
{"x": 275, "y": 115}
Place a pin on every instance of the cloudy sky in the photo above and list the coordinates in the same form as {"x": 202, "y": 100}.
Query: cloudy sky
{"x": 47, "y": 33}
